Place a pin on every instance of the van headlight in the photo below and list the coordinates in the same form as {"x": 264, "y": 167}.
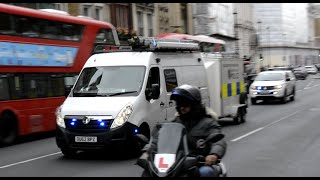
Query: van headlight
{"x": 253, "y": 87}
{"x": 123, "y": 116}
{"x": 278, "y": 86}
{"x": 59, "y": 118}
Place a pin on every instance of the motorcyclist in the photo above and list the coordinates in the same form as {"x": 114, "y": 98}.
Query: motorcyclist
{"x": 199, "y": 122}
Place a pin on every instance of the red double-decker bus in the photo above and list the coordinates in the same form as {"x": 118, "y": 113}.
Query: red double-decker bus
{"x": 41, "y": 54}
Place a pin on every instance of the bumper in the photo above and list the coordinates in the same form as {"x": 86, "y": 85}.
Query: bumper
{"x": 300, "y": 76}
{"x": 269, "y": 94}
{"x": 120, "y": 136}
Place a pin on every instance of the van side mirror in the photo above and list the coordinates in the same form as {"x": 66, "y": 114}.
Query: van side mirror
{"x": 153, "y": 92}
{"x": 155, "y": 89}
{"x": 288, "y": 79}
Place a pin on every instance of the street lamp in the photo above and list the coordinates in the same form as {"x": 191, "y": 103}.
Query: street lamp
{"x": 236, "y": 32}
{"x": 284, "y": 50}
{"x": 259, "y": 49}
{"x": 269, "y": 52}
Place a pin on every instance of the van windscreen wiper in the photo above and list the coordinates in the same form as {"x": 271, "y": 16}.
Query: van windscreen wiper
{"x": 119, "y": 93}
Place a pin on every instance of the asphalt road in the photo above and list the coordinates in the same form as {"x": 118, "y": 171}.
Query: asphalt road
{"x": 277, "y": 140}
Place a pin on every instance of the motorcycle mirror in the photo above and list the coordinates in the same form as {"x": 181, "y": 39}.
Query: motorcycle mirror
{"x": 142, "y": 138}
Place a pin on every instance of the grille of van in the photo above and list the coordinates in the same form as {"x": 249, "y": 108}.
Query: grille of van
{"x": 82, "y": 124}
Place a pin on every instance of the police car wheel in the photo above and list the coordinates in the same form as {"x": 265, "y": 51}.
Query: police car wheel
{"x": 283, "y": 100}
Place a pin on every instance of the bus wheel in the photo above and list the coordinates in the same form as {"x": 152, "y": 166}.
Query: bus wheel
{"x": 8, "y": 129}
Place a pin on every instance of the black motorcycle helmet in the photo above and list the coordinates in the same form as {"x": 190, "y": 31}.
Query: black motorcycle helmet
{"x": 186, "y": 93}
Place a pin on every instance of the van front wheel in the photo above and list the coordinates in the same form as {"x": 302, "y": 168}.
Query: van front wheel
{"x": 69, "y": 153}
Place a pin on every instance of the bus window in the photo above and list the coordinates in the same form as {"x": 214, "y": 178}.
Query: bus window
{"x": 50, "y": 30}
{"x": 6, "y": 25}
{"x": 105, "y": 36}
{"x": 4, "y": 88}
{"x": 27, "y": 27}
{"x": 57, "y": 85}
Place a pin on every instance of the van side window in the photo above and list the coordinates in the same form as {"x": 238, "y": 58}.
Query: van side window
{"x": 171, "y": 79}
{"x": 153, "y": 78}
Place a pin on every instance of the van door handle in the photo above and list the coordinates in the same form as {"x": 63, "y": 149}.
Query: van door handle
{"x": 161, "y": 104}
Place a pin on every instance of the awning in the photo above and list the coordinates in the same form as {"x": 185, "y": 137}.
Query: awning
{"x": 204, "y": 38}
{"x": 174, "y": 36}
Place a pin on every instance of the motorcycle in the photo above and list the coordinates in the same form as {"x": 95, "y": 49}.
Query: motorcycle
{"x": 172, "y": 157}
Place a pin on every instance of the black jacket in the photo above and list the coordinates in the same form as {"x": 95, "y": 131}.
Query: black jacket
{"x": 199, "y": 129}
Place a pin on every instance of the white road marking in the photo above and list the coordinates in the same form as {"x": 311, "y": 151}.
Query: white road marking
{"x": 21, "y": 162}
{"x": 254, "y": 131}
{"x": 243, "y": 136}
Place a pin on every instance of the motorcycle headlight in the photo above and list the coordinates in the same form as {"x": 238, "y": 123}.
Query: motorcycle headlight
{"x": 278, "y": 86}
{"x": 59, "y": 118}
{"x": 123, "y": 116}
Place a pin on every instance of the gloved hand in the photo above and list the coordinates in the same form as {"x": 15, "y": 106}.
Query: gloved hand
{"x": 211, "y": 159}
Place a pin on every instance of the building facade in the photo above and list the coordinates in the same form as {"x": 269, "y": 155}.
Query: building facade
{"x": 216, "y": 20}
{"x": 245, "y": 30}
{"x": 284, "y": 35}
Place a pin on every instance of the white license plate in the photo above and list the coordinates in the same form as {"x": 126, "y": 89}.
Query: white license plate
{"x": 264, "y": 92}
{"x": 91, "y": 139}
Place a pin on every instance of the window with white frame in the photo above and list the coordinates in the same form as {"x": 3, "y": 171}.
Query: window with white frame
{"x": 150, "y": 25}
{"x": 140, "y": 23}
{"x": 98, "y": 13}
{"x": 86, "y": 11}
{"x": 58, "y": 6}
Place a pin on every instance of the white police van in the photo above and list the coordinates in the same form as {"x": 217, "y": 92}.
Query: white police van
{"x": 121, "y": 93}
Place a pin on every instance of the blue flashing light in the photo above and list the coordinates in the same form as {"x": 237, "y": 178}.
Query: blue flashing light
{"x": 102, "y": 124}
{"x": 99, "y": 120}
{"x": 72, "y": 123}
{"x": 135, "y": 130}
{"x": 74, "y": 119}
{"x": 259, "y": 87}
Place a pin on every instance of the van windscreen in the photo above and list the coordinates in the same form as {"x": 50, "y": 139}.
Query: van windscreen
{"x": 110, "y": 81}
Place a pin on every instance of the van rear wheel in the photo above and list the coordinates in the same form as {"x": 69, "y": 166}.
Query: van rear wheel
{"x": 243, "y": 114}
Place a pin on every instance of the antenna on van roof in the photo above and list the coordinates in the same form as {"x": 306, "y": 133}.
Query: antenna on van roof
{"x": 151, "y": 44}
{"x": 161, "y": 44}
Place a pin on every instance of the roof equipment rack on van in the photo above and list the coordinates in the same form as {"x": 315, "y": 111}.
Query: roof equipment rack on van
{"x": 151, "y": 44}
